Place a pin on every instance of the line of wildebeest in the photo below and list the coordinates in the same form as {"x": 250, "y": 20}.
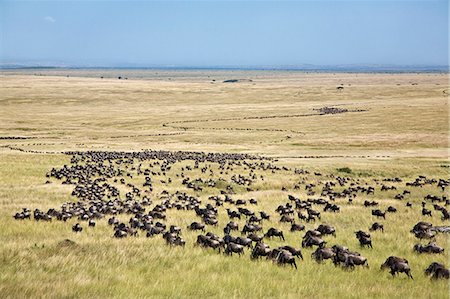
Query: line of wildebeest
{"x": 97, "y": 175}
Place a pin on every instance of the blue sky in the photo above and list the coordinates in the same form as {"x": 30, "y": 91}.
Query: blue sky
{"x": 225, "y": 33}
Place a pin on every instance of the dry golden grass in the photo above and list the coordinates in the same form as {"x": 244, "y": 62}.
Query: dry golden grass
{"x": 403, "y": 132}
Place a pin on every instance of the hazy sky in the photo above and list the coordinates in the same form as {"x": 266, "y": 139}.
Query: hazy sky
{"x": 233, "y": 33}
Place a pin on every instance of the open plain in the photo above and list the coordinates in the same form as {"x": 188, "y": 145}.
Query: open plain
{"x": 301, "y": 131}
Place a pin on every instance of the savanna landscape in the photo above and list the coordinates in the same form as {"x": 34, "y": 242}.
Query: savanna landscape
{"x": 152, "y": 185}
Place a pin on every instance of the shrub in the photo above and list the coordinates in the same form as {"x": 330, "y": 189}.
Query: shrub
{"x": 344, "y": 169}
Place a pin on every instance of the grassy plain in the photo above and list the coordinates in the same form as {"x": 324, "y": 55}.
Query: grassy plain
{"x": 402, "y": 131}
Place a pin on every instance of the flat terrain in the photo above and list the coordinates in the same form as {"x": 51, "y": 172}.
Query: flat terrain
{"x": 382, "y": 126}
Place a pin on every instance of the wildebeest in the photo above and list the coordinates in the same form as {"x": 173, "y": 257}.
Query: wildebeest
{"x": 287, "y": 218}
{"x": 391, "y": 209}
{"x": 379, "y": 213}
{"x": 297, "y": 227}
{"x": 312, "y": 239}
{"x": 376, "y": 226}
{"x": 431, "y": 247}
{"x": 196, "y": 226}
{"x": 364, "y": 238}
{"x": 285, "y": 257}
{"x": 264, "y": 215}
{"x": 259, "y": 250}
{"x": 244, "y": 241}
{"x": 234, "y": 248}
{"x": 207, "y": 241}
{"x": 397, "y": 265}
{"x": 77, "y": 228}
{"x": 174, "y": 239}
{"x": 321, "y": 254}
{"x": 251, "y": 228}
{"x": 293, "y": 251}
{"x": 273, "y": 232}
{"x": 347, "y": 258}
{"x": 326, "y": 229}
{"x": 437, "y": 271}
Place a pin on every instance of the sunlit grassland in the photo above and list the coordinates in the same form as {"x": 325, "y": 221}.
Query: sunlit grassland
{"x": 403, "y": 132}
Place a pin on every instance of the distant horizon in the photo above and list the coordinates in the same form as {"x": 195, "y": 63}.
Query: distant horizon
{"x": 251, "y": 34}
{"x": 300, "y": 67}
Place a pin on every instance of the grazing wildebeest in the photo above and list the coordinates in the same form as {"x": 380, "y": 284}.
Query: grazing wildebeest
{"x": 206, "y": 241}
{"x": 397, "y": 265}
{"x": 77, "y": 228}
{"x": 391, "y": 209}
{"x": 264, "y": 215}
{"x": 121, "y": 234}
{"x": 326, "y": 229}
{"x": 431, "y": 247}
{"x": 175, "y": 229}
{"x": 310, "y": 241}
{"x": 377, "y": 226}
{"x": 154, "y": 230}
{"x": 293, "y": 251}
{"x": 437, "y": 271}
{"x": 287, "y": 218}
{"x": 233, "y": 214}
{"x": 255, "y": 238}
{"x": 370, "y": 203}
{"x": 259, "y": 250}
{"x": 426, "y": 212}
{"x": 233, "y": 225}
{"x": 234, "y": 248}
{"x": 355, "y": 260}
{"x": 364, "y": 238}
{"x": 297, "y": 227}
{"x": 313, "y": 214}
{"x": 321, "y": 254}
{"x": 273, "y": 232}
{"x": 196, "y": 226}
{"x": 244, "y": 241}
{"x": 285, "y": 257}
{"x": 379, "y": 213}
{"x": 173, "y": 239}
{"x": 347, "y": 258}
{"x": 250, "y": 228}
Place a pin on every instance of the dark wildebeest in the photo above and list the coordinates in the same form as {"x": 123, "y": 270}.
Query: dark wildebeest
{"x": 322, "y": 254}
{"x": 287, "y": 218}
{"x": 250, "y": 228}
{"x": 364, "y": 238}
{"x": 379, "y": 213}
{"x": 285, "y": 257}
{"x": 77, "y": 228}
{"x": 397, "y": 265}
{"x": 273, "y": 232}
{"x": 259, "y": 250}
{"x": 196, "y": 226}
{"x": 313, "y": 241}
{"x": 431, "y": 247}
{"x": 437, "y": 270}
{"x": 297, "y": 227}
{"x": 255, "y": 238}
{"x": 377, "y": 226}
{"x": 244, "y": 241}
{"x": 234, "y": 248}
{"x": 293, "y": 251}
{"x": 326, "y": 229}
{"x": 264, "y": 215}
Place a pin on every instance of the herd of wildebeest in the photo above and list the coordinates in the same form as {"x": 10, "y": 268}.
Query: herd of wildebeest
{"x": 102, "y": 191}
